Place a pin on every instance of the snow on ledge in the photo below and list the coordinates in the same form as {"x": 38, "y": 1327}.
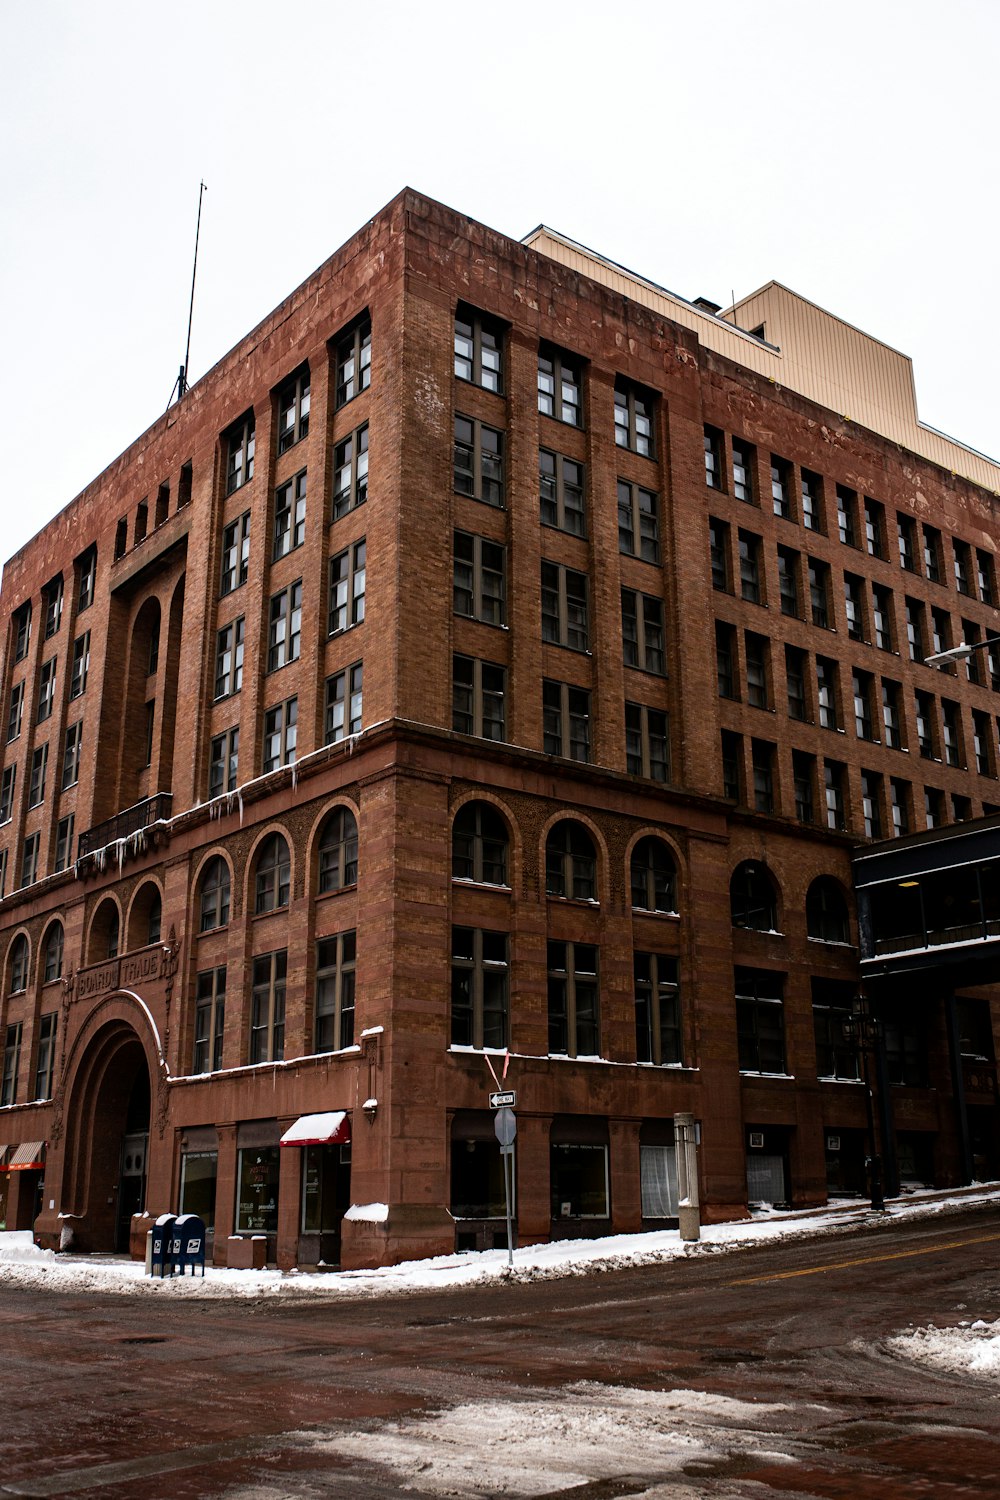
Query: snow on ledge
{"x": 368, "y": 1213}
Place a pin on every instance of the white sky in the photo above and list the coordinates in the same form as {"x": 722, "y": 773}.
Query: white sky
{"x": 847, "y": 150}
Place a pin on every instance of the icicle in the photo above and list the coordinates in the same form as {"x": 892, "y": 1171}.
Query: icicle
{"x": 295, "y": 777}
{"x": 239, "y": 794}
{"x": 121, "y": 854}
{"x": 230, "y": 802}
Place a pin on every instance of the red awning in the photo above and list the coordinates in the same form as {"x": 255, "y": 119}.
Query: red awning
{"x": 331, "y": 1129}
{"x": 28, "y": 1157}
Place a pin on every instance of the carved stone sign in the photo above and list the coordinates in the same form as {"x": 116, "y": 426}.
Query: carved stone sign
{"x": 98, "y": 980}
{"x": 130, "y": 972}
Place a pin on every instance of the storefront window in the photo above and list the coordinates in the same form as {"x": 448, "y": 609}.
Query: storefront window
{"x": 257, "y": 1190}
{"x": 477, "y": 1190}
{"x": 322, "y": 1188}
{"x": 579, "y": 1181}
{"x": 199, "y": 1171}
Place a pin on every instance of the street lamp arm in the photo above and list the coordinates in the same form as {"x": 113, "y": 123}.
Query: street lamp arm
{"x": 961, "y": 652}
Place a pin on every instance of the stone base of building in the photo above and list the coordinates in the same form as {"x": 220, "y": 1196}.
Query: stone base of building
{"x": 409, "y": 1232}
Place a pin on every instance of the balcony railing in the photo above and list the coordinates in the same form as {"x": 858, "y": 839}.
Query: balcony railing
{"x": 125, "y": 823}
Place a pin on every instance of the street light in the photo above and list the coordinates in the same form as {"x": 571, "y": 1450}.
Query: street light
{"x": 961, "y": 652}
{"x": 862, "y": 1030}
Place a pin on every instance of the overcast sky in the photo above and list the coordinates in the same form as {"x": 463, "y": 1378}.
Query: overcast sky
{"x": 847, "y": 150}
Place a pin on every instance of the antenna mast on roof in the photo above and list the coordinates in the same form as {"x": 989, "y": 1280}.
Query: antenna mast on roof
{"x": 181, "y": 383}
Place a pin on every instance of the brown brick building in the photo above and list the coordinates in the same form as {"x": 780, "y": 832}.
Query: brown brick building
{"x": 492, "y": 650}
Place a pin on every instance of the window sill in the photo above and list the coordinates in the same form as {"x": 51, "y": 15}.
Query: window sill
{"x": 480, "y": 885}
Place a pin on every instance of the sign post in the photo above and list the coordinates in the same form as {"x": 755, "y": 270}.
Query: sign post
{"x": 505, "y": 1128}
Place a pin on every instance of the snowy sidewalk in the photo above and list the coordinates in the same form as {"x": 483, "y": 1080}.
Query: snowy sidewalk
{"x": 22, "y": 1265}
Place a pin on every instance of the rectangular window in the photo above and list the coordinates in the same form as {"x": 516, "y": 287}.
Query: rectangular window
{"x": 847, "y": 509}
{"x": 826, "y": 692}
{"x": 788, "y": 582}
{"x": 854, "y": 588}
{"x": 71, "y": 755}
{"x": 642, "y": 632}
{"x": 915, "y": 630}
{"x": 80, "y": 665}
{"x": 861, "y": 685}
{"x": 46, "y": 690}
{"x": 812, "y": 505}
{"x": 875, "y": 528}
{"x": 933, "y": 807}
{"x": 647, "y": 742}
{"x": 564, "y": 607}
{"x": 750, "y": 568}
{"x": 354, "y": 362}
{"x": 29, "y": 859}
{"x": 899, "y": 806}
{"x": 22, "y": 631}
{"x": 229, "y": 644}
{"x": 36, "y": 784}
{"x": 657, "y": 1010}
{"x": 951, "y": 732}
{"x": 871, "y": 804}
{"x": 573, "y": 1000}
{"x": 974, "y": 663}
{"x": 478, "y": 689}
{"x": 819, "y": 593}
{"x": 725, "y": 654}
{"x": 781, "y": 487}
{"x": 46, "y": 1055}
{"x": 638, "y": 522}
{"x": 285, "y": 627}
{"x": 289, "y": 516}
{"x": 86, "y": 566}
{"x": 755, "y": 648}
{"x": 11, "y": 1064}
{"x": 560, "y": 386}
{"x": 7, "y": 782}
{"x": 347, "y": 588}
{"x": 882, "y": 617}
{"x": 479, "y": 988}
{"x": 267, "y": 1007}
{"x": 732, "y": 766}
{"x": 906, "y": 533}
{"x": 235, "y": 554}
{"x": 804, "y": 778}
{"x": 478, "y": 461}
{"x": 836, "y": 1057}
{"x": 762, "y": 754}
{"x": 335, "y": 968}
{"x": 743, "y": 460}
{"x": 209, "y": 1020}
{"x": 479, "y": 584}
{"x": 982, "y": 746}
{"x": 932, "y": 554}
{"x": 833, "y": 785}
{"x": 940, "y": 631}
{"x": 713, "y": 458}
{"x": 64, "y": 843}
{"x": 963, "y": 567}
{"x": 52, "y": 599}
{"x": 795, "y": 677}
{"x": 760, "y": 1026}
{"x": 223, "y": 765}
{"x": 240, "y": 444}
{"x": 15, "y": 711}
{"x": 718, "y": 541}
{"x": 634, "y": 418}
{"x": 350, "y": 473}
{"x": 343, "y": 704}
{"x": 280, "y": 732}
{"x": 923, "y": 706}
{"x": 986, "y": 577}
{"x": 565, "y": 720}
{"x": 560, "y": 482}
{"x": 892, "y": 734}
{"x": 293, "y": 410}
{"x": 479, "y": 348}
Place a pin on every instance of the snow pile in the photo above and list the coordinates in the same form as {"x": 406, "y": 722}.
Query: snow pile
{"x": 971, "y": 1347}
{"x": 558, "y": 1440}
{"x": 19, "y": 1245}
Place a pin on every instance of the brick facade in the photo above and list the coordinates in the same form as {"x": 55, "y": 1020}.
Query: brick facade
{"x": 172, "y": 601}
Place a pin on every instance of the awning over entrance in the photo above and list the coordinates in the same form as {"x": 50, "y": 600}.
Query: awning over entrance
{"x": 28, "y": 1157}
{"x": 332, "y": 1129}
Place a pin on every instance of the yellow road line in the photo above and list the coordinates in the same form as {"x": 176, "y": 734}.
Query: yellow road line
{"x": 867, "y": 1260}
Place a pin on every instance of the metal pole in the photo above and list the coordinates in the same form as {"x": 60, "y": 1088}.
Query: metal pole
{"x": 182, "y": 380}
{"x": 507, "y": 1152}
{"x": 874, "y": 1161}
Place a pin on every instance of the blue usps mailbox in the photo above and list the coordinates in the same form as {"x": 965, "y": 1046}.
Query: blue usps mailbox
{"x": 162, "y": 1233}
{"x": 188, "y": 1244}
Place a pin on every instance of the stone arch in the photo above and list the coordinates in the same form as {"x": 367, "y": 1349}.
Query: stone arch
{"x": 250, "y": 868}
{"x": 584, "y": 821}
{"x": 636, "y": 843}
{"x": 514, "y": 844}
{"x": 104, "y": 932}
{"x": 201, "y": 870}
{"x": 141, "y": 926}
{"x": 315, "y": 833}
{"x": 113, "y": 1082}
{"x": 19, "y": 954}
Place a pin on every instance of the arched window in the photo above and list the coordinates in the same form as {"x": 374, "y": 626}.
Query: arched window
{"x": 826, "y": 912}
{"x": 479, "y": 845}
{"x": 752, "y": 898}
{"x": 53, "y": 953}
{"x": 654, "y": 876}
{"x": 104, "y": 933}
{"x": 571, "y": 862}
{"x": 272, "y": 878}
{"x": 19, "y": 965}
{"x": 145, "y": 917}
{"x": 214, "y": 899}
{"x": 338, "y": 851}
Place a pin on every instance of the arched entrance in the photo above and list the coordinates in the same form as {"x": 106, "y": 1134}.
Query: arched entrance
{"x": 108, "y": 1114}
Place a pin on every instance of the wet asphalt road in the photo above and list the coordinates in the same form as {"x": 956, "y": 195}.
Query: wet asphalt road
{"x": 119, "y": 1396}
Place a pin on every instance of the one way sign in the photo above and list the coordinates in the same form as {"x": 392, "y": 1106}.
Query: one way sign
{"x": 503, "y": 1101}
